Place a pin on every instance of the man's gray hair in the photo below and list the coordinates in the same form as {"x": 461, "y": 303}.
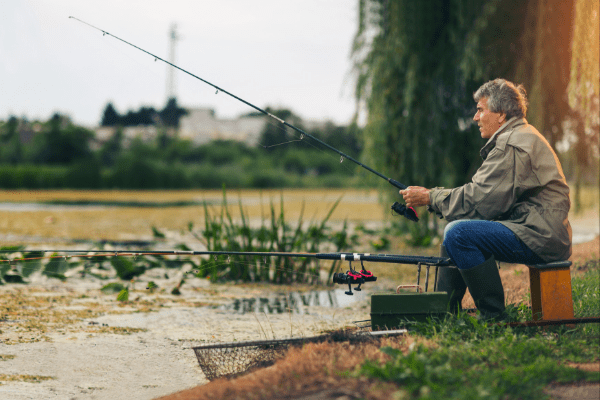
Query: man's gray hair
{"x": 504, "y": 97}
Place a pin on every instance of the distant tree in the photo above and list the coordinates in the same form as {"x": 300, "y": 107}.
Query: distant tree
{"x": 112, "y": 148}
{"x": 11, "y": 149}
{"x": 110, "y": 117}
{"x": 168, "y": 116}
{"x": 61, "y": 142}
{"x": 147, "y": 116}
{"x": 172, "y": 113}
{"x": 344, "y": 138}
{"x": 275, "y": 133}
{"x": 130, "y": 119}
{"x": 9, "y": 128}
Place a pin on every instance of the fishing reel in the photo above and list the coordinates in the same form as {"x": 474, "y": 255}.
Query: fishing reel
{"x": 352, "y": 277}
{"x": 407, "y": 212}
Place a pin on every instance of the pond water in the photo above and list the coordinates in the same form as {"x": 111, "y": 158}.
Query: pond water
{"x": 296, "y": 303}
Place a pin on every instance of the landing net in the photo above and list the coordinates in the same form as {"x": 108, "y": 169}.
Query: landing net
{"x": 230, "y": 359}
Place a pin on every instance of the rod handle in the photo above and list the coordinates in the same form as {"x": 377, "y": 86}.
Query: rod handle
{"x": 397, "y": 184}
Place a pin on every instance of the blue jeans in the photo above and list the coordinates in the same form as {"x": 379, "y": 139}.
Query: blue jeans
{"x": 470, "y": 242}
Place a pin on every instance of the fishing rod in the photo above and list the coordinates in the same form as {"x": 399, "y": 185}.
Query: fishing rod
{"x": 401, "y": 209}
{"x": 350, "y": 277}
{"x": 342, "y": 256}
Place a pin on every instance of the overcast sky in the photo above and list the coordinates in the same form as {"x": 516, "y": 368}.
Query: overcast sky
{"x": 293, "y": 54}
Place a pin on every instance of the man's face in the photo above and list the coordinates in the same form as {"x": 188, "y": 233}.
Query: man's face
{"x": 488, "y": 121}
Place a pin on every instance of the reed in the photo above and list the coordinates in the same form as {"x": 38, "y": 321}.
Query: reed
{"x": 223, "y": 233}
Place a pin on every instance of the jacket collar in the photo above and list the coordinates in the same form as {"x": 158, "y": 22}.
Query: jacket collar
{"x": 509, "y": 125}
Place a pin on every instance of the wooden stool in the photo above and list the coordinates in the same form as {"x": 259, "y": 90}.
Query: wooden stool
{"x": 551, "y": 297}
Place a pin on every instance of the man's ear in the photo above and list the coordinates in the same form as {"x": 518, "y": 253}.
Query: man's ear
{"x": 502, "y": 118}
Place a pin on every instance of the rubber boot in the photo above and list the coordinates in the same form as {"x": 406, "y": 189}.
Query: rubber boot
{"x": 451, "y": 281}
{"x": 485, "y": 286}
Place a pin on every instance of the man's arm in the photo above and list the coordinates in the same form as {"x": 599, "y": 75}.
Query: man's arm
{"x": 492, "y": 192}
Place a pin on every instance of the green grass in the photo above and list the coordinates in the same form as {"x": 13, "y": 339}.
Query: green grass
{"x": 470, "y": 359}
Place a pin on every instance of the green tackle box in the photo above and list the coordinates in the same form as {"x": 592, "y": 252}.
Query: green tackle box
{"x": 389, "y": 311}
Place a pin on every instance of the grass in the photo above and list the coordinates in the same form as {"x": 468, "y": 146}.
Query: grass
{"x": 475, "y": 360}
{"x": 503, "y": 366}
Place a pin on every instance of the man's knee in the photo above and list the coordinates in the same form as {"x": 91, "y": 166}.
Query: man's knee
{"x": 450, "y": 238}
{"x": 453, "y": 230}
{"x": 451, "y": 225}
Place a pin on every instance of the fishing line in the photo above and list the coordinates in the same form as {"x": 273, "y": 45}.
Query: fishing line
{"x": 409, "y": 214}
{"x": 153, "y": 72}
{"x": 269, "y": 121}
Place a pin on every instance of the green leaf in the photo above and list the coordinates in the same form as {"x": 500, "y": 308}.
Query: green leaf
{"x": 112, "y": 288}
{"x": 157, "y": 234}
{"x": 123, "y": 295}
{"x": 56, "y": 268}
{"x": 126, "y": 269}
{"x": 13, "y": 277}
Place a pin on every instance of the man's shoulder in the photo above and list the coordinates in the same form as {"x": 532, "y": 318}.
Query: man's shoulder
{"x": 524, "y": 137}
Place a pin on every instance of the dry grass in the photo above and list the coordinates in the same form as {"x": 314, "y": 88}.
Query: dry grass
{"x": 313, "y": 368}
{"x": 24, "y": 378}
{"x": 30, "y": 314}
{"x": 128, "y": 223}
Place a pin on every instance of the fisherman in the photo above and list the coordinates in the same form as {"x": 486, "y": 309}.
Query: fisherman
{"x": 514, "y": 210}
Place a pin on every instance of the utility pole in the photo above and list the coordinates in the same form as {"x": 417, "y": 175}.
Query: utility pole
{"x": 170, "y": 70}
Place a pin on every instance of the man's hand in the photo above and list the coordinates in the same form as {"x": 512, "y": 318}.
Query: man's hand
{"x": 415, "y": 196}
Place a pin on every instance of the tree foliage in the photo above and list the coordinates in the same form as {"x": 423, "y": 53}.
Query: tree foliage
{"x": 584, "y": 84}
{"x": 59, "y": 154}
{"x": 418, "y": 64}
{"x": 61, "y": 142}
{"x": 146, "y": 116}
{"x": 417, "y": 98}
{"x": 11, "y": 148}
{"x": 584, "y": 90}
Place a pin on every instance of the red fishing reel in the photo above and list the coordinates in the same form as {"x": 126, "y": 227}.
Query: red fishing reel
{"x": 352, "y": 277}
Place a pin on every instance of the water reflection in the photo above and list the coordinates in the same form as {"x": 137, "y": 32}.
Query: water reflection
{"x": 296, "y": 303}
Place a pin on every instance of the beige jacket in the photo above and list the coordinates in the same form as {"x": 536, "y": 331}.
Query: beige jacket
{"x": 521, "y": 185}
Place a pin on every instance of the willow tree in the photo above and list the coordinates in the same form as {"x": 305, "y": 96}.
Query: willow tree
{"x": 419, "y": 104}
{"x": 584, "y": 88}
{"x": 419, "y": 62}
